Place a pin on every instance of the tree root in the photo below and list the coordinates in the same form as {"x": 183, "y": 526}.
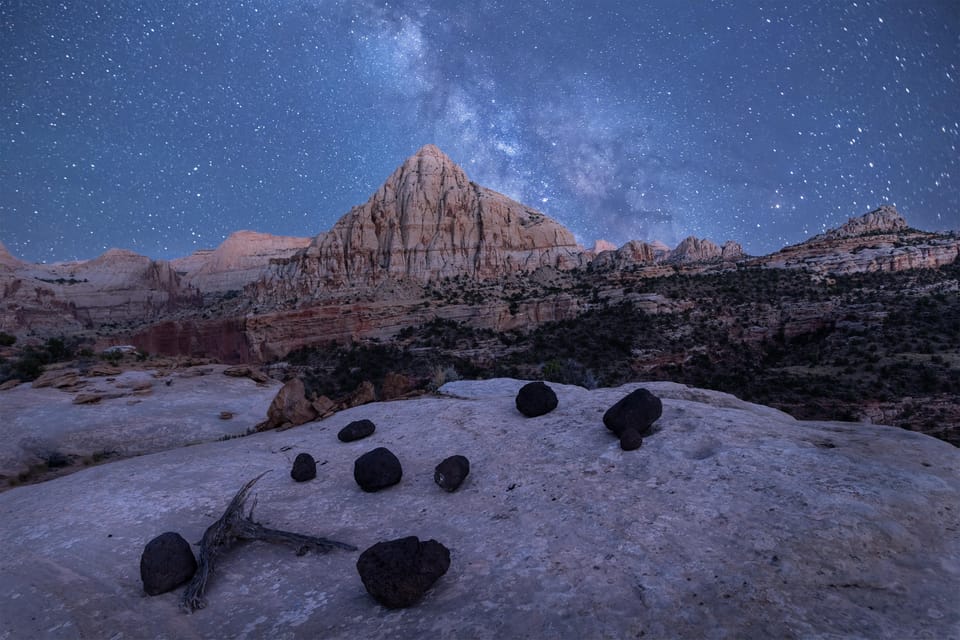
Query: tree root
{"x": 234, "y": 525}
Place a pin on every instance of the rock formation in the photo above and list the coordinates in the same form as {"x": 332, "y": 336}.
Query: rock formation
{"x": 876, "y": 241}
{"x": 241, "y": 259}
{"x": 692, "y": 249}
{"x": 428, "y": 221}
{"x": 885, "y": 219}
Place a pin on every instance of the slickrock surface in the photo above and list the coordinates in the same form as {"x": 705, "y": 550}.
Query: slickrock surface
{"x": 128, "y": 414}
{"x": 732, "y": 520}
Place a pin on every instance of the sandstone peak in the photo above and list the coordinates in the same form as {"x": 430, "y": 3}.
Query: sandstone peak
{"x": 693, "y": 249}
{"x": 241, "y": 258}
{"x": 429, "y": 221}
{"x": 885, "y": 219}
{"x": 600, "y": 246}
{"x": 8, "y": 259}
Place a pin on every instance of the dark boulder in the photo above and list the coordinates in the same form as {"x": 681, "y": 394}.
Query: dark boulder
{"x": 166, "y": 563}
{"x": 356, "y": 430}
{"x": 398, "y": 572}
{"x": 638, "y": 410}
{"x": 450, "y": 473}
{"x": 304, "y": 468}
{"x": 535, "y": 399}
{"x": 377, "y": 469}
{"x": 630, "y": 439}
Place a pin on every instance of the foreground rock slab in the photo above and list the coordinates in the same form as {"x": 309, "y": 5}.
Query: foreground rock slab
{"x": 131, "y": 413}
{"x": 732, "y": 520}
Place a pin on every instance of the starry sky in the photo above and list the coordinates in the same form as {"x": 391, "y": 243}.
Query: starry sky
{"x": 162, "y": 125}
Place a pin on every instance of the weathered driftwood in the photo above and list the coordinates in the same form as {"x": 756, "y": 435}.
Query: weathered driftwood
{"x": 234, "y": 525}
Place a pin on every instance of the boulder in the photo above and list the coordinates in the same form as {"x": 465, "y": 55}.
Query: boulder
{"x": 290, "y": 407}
{"x": 304, "y": 468}
{"x": 377, "y": 469}
{"x": 356, "y": 430}
{"x": 166, "y": 563}
{"x": 450, "y": 473}
{"x": 638, "y": 410}
{"x": 396, "y": 385}
{"x": 536, "y": 399}
{"x": 398, "y": 572}
{"x": 630, "y": 439}
{"x": 363, "y": 394}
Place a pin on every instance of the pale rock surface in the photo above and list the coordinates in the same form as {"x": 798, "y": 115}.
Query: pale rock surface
{"x": 241, "y": 259}
{"x": 732, "y": 521}
{"x": 600, "y": 245}
{"x": 885, "y": 219}
{"x": 129, "y": 414}
{"x": 876, "y": 241}
{"x": 116, "y": 287}
{"x": 692, "y": 249}
{"x": 428, "y": 221}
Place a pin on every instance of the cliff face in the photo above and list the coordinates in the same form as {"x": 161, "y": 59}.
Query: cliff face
{"x": 117, "y": 287}
{"x": 428, "y": 221}
{"x": 876, "y": 241}
{"x": 241, "y": 259}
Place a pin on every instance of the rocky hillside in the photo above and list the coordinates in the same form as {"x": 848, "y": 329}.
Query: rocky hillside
{"x": 879, "y": 240}
{"x": 732, "y": 520}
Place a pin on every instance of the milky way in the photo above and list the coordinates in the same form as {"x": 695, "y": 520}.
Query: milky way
{"x": 161, "y": 126}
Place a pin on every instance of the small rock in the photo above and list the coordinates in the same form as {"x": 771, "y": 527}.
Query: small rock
{"x": 450, "y": 473}
{"x": 290, "y": 407}
{"x": 88, "y": 398}
{"x": 377, "y": 469}
{"x": 356, "y": 430}
{"x": 239, "y": 371}
{"x": 166, "y": 563}
{"x": 630, "y": 439}
{"x": 638, "y": 410}
{"x": 304, "y": 468}
{"x": 398, "y": 572}
{"x": 535, "y": 399}
{"x": 9, "y": 384}
{"x": 226, "y": 415}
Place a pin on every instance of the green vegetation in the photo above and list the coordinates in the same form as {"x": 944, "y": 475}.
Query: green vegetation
{"x": 29, "y": 362}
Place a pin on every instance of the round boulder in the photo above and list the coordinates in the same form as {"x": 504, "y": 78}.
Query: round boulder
{"x": 630, "y": 439}
{"x": 356, "y": 430}
{"x": 166, "y": 563}
{"x": 535, "y": 399}
{"x": 450, "y": 473}
{"x": 377, "y": 469}
{"x": 638, "y": 410}
{"x": 304, "y": 468}
{"x": 398, "y": 572}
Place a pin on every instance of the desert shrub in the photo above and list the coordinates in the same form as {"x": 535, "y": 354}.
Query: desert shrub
{"x": 7, "y": 340}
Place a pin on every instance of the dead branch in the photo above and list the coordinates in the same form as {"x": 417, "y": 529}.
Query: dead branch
{"x": 234, "y": 525}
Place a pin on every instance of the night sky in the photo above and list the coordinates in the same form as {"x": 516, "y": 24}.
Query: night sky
{"x": 161, "y": 125}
